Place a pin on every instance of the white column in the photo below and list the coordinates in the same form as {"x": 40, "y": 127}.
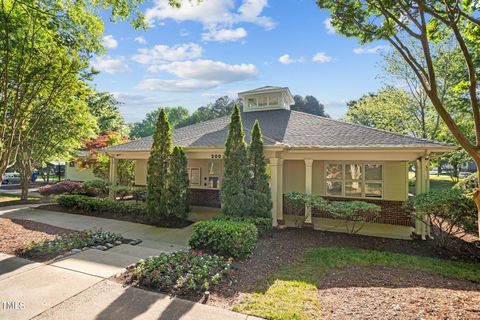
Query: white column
{"x": 274, "y": 179}
{"x": 422, "y": 185}
{"x": 308, "y": 188}
{"x": 279, "y": 198}
{"x": 112, "y": 174}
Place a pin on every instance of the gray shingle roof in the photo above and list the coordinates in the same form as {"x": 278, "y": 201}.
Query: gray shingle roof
{"x": 287, "y": 128}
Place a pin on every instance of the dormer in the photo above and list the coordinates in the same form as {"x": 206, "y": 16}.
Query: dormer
{"x": 266, "y": 98}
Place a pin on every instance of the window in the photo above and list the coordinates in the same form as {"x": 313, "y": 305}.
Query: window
{"x": 194, "y": 176}
{"x": 252, "y": 103}
{"x": 354, "y": 180}
{"x": 262, "y": 101}
{"x": 273, "y": 100}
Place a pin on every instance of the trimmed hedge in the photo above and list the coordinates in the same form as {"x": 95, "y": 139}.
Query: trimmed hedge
{"x": 263, "y": 225}
{"x": 230, "y": 238}
{"x": 90, "y": 204}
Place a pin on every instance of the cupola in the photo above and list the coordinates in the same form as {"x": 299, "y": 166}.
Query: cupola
{"x": 266, "y": 98}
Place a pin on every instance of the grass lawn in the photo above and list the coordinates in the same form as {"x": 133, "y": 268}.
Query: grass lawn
{"x": 291, "y": 293}
{"x": 11, "y": 197}
{"x": 437, "y": 183}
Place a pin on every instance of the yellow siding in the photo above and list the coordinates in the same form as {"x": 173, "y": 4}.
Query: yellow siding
{"x": 395, "y": 180}
{"x": 293, "y": 176}
{"x": 140, "y": 172}
{"x": 77, "y": 173}
{"x": 318, "y": 181}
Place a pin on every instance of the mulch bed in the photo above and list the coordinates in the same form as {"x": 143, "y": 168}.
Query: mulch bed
{"x": 16, "y": 234}
{"x": 394, "y": 293}
{"x": 107, "y": 215}
{"x": 287, "y": 245}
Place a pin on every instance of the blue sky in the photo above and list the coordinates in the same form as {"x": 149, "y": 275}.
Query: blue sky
{"x": 193, "y": 55}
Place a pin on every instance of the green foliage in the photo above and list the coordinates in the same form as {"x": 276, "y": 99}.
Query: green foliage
{"x": 230, "y": 238}
{"x": 450, "y": 210}
{"x": 297, "y": 201}
{"x": 158, "y": 193}
{"x": 292, "y": 291}
{"x": 181, "y": 272}
{"x": 353, "y": 213}
{"x": 104, "y": 107}
{"x": 179, "y": 184}
{"x": 233, "y": 192}
{"x": 97, "y": 187}
{"x": 263, "y": 225}
{"x": 468, "y": 184}
{"x": 309, "y": 104}
{"x": 259, "y": 194}
{"x": 223, "y": 106}
{"x": 146, "y": 127}
{"x": 94, "y": 206}
{"x": 75, "y": 240}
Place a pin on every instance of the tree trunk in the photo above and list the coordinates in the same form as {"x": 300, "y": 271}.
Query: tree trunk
{"x": 25, "y": 174}
{"x": 476, "y": 195}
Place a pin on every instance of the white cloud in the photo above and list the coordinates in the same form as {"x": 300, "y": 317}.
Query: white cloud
{"x": 111, "y": 65}
{"x": 328, "y": 26}
{"x": 212, "y": 14}
{"x": 199, "y": 74}
{"x": 370, "y": 50}
{"x": 162, "y": 53}
{"x": 286, "y": 59}
{"x": 224, "y": 35}
{"x": 109, "y": 41}
{"x": 140, "y": 40}
{"x": 321, "y": 57}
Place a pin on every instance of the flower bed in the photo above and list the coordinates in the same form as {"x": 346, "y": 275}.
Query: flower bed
{"x": 73, "y": 242}
{"x": 180, "y": 273}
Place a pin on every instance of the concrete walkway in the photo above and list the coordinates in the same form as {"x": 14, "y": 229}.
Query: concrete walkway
{"x": 77, "y": 287}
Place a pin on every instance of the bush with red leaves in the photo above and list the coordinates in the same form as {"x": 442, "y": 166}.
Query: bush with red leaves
{"x": 63, "y": 187}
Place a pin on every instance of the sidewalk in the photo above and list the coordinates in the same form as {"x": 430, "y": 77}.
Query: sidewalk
{"x": 77, "y": 287}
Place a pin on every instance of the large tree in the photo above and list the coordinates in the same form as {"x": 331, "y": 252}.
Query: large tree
{"x": 45, "y": 48}
{"x": 146, "y": 127}
{"x": 60, "y": 133}
{"x": 259, "y": 194}
{"x": 223, "y": 106}
{"x": 425, "y": 23}
{"x": 158, "y": 193}
{"x": 309, "y": 104}
{"x": 233, "y": 190}
{"x": 104, "y": 107}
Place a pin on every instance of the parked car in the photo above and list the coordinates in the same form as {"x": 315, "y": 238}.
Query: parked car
{"x": 463, "y": 175}
{"x": 11, "y": 177}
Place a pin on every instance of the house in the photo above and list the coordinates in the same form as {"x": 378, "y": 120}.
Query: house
{"x": 306, "y": 153}
{"x": 75, "y": 171}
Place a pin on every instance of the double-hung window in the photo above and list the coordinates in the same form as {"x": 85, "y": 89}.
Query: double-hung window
{"x": 354, "y": 180}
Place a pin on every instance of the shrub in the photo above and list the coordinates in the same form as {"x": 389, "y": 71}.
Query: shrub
{"x": 182, "y": 272}
{"x": 263, "y": 225}
{"x": 298, "y": 200}
{"x": 63, "y": 187}
{"x": 354, "y": 213}
{"x": 92, "y": 205}
{"x": 468, "y": 184}
{"x": 97, "y": 187}
{"x": 450, "y": 210}
{"x": 179, "y": 185}
{"x": 231, "y": 238}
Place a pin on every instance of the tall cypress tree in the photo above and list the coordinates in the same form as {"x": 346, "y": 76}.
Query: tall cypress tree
{"x": 158, "y": 194}
{"x": 234, "y": 187}
{"x": 179, "y": 184}
{"x": 260, "y": 197}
